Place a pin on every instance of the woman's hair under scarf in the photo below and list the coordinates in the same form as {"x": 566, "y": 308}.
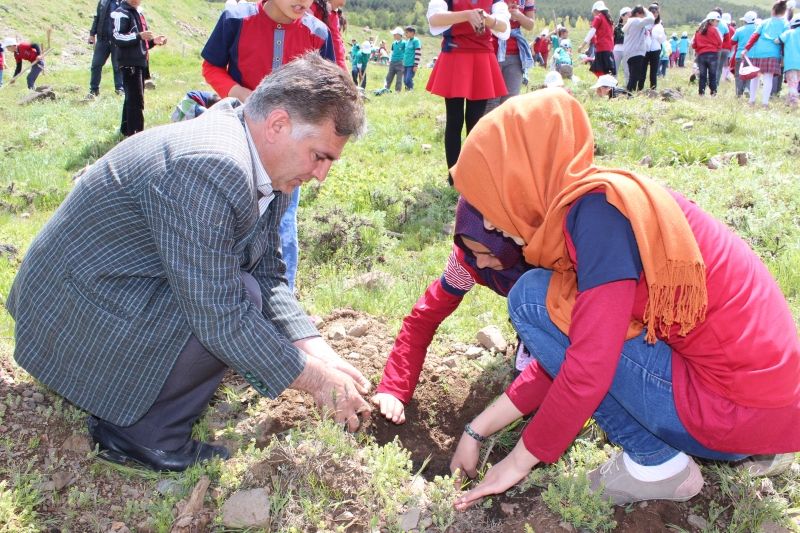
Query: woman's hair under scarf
{"x": 522, "y": 167}
{"x": 469, "y": 223}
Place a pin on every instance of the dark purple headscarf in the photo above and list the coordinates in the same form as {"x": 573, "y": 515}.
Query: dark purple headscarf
{"x": 469, "y": 222}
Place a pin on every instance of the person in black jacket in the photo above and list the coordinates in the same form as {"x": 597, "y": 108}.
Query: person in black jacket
{"x": 100, "y": 37}
{"x": 133, "y": 40}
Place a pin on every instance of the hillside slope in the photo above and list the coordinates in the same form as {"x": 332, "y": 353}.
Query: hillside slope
{"x": 187, "y": 23}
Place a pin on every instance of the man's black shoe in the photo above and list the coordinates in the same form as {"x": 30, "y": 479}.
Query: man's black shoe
{"x": 116, "y": 448}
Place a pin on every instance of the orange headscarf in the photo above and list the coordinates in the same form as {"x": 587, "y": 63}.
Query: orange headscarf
{"x": 525, "y": 163}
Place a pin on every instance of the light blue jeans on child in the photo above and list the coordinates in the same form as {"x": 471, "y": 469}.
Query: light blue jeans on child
{"x": 288, "y": 233}
{"x": 638, "y": 413}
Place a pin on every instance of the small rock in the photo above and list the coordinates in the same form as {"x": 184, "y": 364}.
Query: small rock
{"x": 358, "y": 330}
{"x": 27, "y": 393}
{"x": 37, "y": 96}
{"x": 687, "y": 126}
{"x": 3, "y": 408}
{"x": 646, "y": 160}
{"x": 671, "y": 95}
{"x": 426, "y": 147}
{"x": 410, "y": 519}
{"x": 768, "y": 526}
{"x": 509, "y": 508}
{"x": 167, "y": 486}
{"x": 566, "y": 526}
{"x": 249, "y": 508}
{"x": 643, "y": 505}
{"x": 149, "y": 85}
{"x": 355, "y": 356}
{"x": 371, "y": 280}
{"x": 370, "y": 350}
{"x": 3, "y": 429}
{"x": 740, "y": 157}
{"x": 336, "y": 333}
{"x": 62, "y": 479}
{"x": 77, "y": 444}
{"x": 491, "y": 337}
{"x": 224, "y": 408}
{"x": 714, "y": 163}
{"x": 344, "y": 517}
{"x": 426, "y": 522}
{"x": 265, "y": 429}
{"x": 144, "y": 527}
{"x": 650, "y": 93}
{"x": 447, "y": 229}
{"x": 473, "y": 352}
{"x": 451, "y": 361}
{"x": 38, "y": 397}
{"x": 49, "y": 486}
{"x": 697, "y": 521}
{"x": 317, "y": 320}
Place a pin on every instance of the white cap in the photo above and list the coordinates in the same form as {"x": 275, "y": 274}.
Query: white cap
{"x": 726, "y": 18}
{"x": 599, "y": 6}
{"x": 791, "y": 4}
{"x": 684, "y": 34}
{"x": 759, "y": 21}
{"x": 624, "y": 11}
{"x": 749, "y": 17}
{"x": 712, "y": 16}
{"x": 397, "y": 31}
{"x": 9, "y": 41}
{"x": 606, "y": 80}
{"x": 566, "y": 44}
{"x": 795, "y": 20}
{"x": 545, "y": 31}
{"x": 674, "y": 34}
{"x": 553, "y": 79}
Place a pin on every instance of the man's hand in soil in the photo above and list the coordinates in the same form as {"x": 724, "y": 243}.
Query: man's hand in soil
{"x": 392, "y": 408}
{"x": 500, "y": 478}
{"x": 333, "y": 391}
{"x": 316, "y": 347}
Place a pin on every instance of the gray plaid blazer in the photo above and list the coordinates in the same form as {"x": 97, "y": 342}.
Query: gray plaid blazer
{"x": 146, "y": 250}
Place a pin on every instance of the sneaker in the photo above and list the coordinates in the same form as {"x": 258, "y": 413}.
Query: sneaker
{"x": 766, "y": 465}
{"x": 121, "y": 92}
{"x": 622, "y": 488}
{"x": 90, "y": 97}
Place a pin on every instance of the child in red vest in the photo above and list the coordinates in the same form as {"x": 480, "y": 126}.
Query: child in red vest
{"x": 29, "y": 52}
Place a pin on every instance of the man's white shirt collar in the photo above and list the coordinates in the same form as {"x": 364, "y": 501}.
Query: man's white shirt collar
{"x": 263, "y": 182}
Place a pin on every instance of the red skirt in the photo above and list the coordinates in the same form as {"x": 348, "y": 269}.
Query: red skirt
{"x": 768, "y": 65}
{"x": 474, "y": 76}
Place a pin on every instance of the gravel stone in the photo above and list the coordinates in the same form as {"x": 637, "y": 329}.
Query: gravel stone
{"x": 248, "y": 508}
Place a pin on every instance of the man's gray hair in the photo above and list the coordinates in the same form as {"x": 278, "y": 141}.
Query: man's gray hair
{"x": 313, "y": 91}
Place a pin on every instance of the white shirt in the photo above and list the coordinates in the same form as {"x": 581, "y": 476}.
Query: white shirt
{"x": 499, "y": 11}
{"x": 262, "y": 180}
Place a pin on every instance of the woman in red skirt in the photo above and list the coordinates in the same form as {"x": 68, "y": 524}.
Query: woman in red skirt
{"x": 466, "y": 74}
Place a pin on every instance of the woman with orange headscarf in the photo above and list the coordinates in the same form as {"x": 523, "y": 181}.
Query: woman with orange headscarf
{"x": 643, "y": 311}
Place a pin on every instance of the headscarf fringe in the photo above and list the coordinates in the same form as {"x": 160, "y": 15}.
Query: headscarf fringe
{"x": 683, "y": 282}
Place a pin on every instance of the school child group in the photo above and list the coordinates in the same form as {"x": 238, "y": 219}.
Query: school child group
{"x": 672, "y": 333}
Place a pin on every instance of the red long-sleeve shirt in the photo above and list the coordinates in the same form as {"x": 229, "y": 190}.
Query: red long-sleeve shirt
{"x": 710, "y": 42}
{"x": 336, "y": 34}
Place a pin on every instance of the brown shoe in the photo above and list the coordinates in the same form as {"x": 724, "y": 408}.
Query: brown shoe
{"x": 766, "y": 465}
{"x": 622, "y": 488}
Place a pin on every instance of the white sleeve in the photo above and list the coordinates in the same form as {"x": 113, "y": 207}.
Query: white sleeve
{"x": 590, "y": 35}
{"x": 500, "y": 12}
{"x": 437, "y": 6}
{"x": 659, "y": 34}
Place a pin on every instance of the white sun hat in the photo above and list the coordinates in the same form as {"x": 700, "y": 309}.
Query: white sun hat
{"x": 553, "y": 79}
{"x": 749, "y": 17}
{"x": 606, "y": 80}
{"x": 712, "y": 16}
{"x": 599, "y": 6}
{"x": 795, "y": 20}
{"x": 397, "y": 31}
{"x": 545, "y": 31}
{"x": 9, "y": 41}
{"x": 726, "y": 18}
{"x": 624, "y": 11}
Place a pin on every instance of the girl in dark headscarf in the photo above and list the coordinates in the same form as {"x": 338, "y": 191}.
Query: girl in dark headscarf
{"x": 479, "y": 256}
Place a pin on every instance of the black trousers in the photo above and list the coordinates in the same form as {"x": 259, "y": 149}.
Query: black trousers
{"x": 191, "y": 384}
{"x": 651, "y": 60}
{"x": 133, "y": 107}
{"x": 635, "y": 73}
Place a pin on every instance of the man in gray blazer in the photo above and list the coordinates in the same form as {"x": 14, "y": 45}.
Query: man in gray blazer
{"x": 162, "y": 269}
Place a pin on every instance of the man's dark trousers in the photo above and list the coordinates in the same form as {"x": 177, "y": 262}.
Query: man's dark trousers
{"x": 191, "y": 384}
{"x": 133, "y": 107}
{"x": 102, "y": 49}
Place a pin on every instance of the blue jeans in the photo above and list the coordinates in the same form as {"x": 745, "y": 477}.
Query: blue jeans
{"x": 102, "y": 49}
{"x": 408, "y": 77}
{"x": 662, "y": 67}
{"x": 288, "y": 233}
{"x": 1, "y": 77}
{"x": 638, "y": 413}
{"x": 36, "y": 69}
{"x": 707, "y": 63}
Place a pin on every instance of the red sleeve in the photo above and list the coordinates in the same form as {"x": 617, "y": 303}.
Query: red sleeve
{"x": 404, "y": 366}
{"x": 694, "y": 41}
{"x": 599, "y": 324}
{"x": 530, "y": 388}
{"x": 752, "y": 41}
{"x": 338, "y": 46}
{"x": 218, "y": 78}
{"x": 596, "y": 23}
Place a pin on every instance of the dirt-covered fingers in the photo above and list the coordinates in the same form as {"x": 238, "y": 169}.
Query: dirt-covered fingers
{"x": 390, "y": 407}
{"x": 465, "y": 460}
